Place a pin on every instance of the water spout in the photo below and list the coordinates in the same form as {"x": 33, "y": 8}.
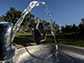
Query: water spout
{"x": 24, "y": 13}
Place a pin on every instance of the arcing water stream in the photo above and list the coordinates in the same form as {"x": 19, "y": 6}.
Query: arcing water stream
{"x": 26, "y": 11}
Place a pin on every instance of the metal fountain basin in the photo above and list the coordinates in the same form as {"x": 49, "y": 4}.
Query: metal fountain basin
{"x": 48, "y": 54}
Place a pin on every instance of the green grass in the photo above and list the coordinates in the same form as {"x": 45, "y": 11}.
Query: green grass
{"x": 66, "y": 39}
{"x": 19, "y": 37}
{"x": 71, "y": 39}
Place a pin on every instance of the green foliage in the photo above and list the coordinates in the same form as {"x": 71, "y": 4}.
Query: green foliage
{"x": 82, "y": 20}
{"x": 73, "y": 28}
{"x": 55, "y": 27}
{"x": 46, "y": 26}
{"x": 28, "y": 20}
{"x": 69, "y": 28}
{"x": 66, "y": 39}
{"x": 81, "y": 28}
{"x": 31, "y": 25}
{"x": 0, "y": 18}
{"x": 12, "y": 15}
{"x": 70, "y": 39}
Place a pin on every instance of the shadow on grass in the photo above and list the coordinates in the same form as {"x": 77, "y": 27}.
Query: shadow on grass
{"x": 22, "y": 40}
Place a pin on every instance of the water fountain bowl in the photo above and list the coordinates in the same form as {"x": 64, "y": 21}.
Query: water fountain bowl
{"x": 48, "y": 54}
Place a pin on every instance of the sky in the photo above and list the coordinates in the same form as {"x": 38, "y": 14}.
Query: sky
{"x": 64, "y": 12}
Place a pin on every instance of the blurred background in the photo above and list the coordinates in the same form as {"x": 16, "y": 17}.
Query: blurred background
{"x": 67, "y": 15}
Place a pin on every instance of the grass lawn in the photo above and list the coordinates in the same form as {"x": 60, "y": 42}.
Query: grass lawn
{"x": 71, "y": 39}
{"x": 66, "y": 39}
{"x": 19, "y": 37}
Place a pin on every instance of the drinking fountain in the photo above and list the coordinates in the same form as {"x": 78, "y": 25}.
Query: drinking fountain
{"x": 49, "y": 53}
{"x": 7, "y": 50}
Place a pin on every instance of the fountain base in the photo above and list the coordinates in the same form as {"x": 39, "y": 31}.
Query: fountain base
{"x": 47, "y": 54}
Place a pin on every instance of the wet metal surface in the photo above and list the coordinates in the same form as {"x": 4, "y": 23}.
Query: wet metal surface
{"x": 47, "y": 54}
{"x": 7, "y": 50}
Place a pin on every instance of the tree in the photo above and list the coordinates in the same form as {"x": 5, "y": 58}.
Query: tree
{"x": 63, "y": 29}
{"x": 68, "y": 28}
{"x": 82, "y": 20}
{"x": 31, "y": 25}
{"x": 81, "y": 28}
{"x": 74, "y": 28}
{"x": 0, "y": 18}
{"x": 45, "y": 24}
{"x": 27, "y": 20}
{"x": 12, "y": 15}
{"x": 55, "y": 27}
